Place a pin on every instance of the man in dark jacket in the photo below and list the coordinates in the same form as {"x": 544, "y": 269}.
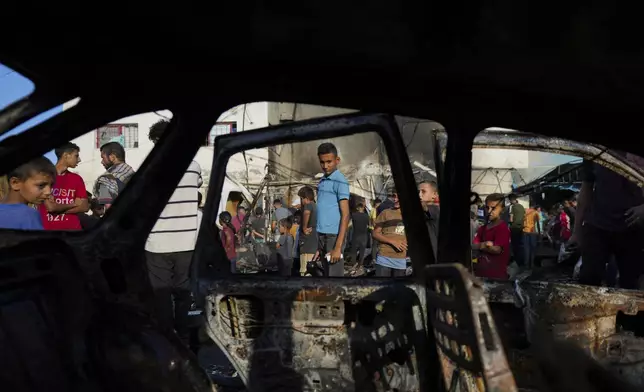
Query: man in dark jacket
{"x": 609, "y": 224}
{"x": 517, "y": 214}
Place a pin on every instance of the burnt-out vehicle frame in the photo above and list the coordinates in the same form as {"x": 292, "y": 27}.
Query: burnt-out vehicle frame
{"x": 467, "y": 66}
{"x": 336, "y": 334}
{"x": 603, "y": 320}
{"x": 320, "y": 334}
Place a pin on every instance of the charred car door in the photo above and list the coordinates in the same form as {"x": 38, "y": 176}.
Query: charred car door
{"x": 306, "y": 333}
{"x": 604, "y": 321}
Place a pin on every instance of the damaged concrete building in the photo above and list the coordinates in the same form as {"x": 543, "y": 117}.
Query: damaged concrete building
{"x": 364, "y": 160}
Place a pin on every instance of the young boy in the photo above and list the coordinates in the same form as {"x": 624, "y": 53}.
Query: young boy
{"x": 285, "y": 248}
{"x": 373, "y": 214}
{"x": 30, "y": 183}
{"x": 258, "y": 236}
{"x": 296, "y": 219}
{"x": 227, "y": 236}
{"x": 258, "y": 225}
{"x": 279, "y": 213}
{"x": 428, "y": 193}
{"x": 392, "y": 241}
{"x": 295, "y": 232}
{"x": 69, "y": 194}
{"x": 531, "y": 231}
{"x": 493, "y": 241}
{"x": 239, "y": 222}
{"x": 516, "y": 216}
{"x": 333, "y": 211}
{"x": 308, "y": 236}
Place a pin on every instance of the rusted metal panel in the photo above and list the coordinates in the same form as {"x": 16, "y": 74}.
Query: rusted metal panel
{"x": 584, "y": 315}
{"x": 313, "y": 334}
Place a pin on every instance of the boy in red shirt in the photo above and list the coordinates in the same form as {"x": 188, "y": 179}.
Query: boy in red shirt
{"x": 493, "y": 241}
{"x": 227, "y": 235}
{"x": 68, "y": 196}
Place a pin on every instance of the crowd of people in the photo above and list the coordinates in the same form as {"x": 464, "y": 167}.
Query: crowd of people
{"x": 313, "y": 237}
{"x": 600, "y": 229}
{"x": 57, "y": 196}
{"x": 508, "y": 232}
{"x": 40, "y": 195}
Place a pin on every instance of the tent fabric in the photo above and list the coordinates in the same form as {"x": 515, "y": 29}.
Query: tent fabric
{"x": 230, "y": 186}
{"x": 566, "y": 176}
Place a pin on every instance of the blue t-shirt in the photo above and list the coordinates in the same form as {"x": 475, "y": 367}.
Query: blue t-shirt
{"x": 19, "y": 216}
{"x": 331, "y": 190}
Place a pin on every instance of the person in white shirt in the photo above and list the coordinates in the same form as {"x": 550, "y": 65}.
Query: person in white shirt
{"x": 170, "y": 246}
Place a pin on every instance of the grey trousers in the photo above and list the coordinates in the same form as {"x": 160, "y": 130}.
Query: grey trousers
{"x": 326, "y": 243}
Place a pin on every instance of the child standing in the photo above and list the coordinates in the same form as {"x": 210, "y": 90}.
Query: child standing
{"x": 390, "y": 234}
{"x": 285, "y": 248}
{"x": 308, "y": 236}
{"x": 296, "y": 224}
{"x": 30, "y": 183}
{"x": 493, "y": 241}
{"x": 531, "y": 232}
{"x": 566, "y": 226}
{"x": 360, "y": 221}
{"x": 69, "y": 196}
{"x": 228, "y": 238}
{"x": 295, "y": 232}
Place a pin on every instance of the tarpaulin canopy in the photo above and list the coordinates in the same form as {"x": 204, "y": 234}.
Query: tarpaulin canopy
{"x": 567, "y": 177}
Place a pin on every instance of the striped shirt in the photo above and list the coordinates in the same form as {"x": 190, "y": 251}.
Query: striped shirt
{"x": 176, "y": 228}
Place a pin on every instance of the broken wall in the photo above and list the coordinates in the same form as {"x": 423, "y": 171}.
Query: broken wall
{"x": 363, "y": 158}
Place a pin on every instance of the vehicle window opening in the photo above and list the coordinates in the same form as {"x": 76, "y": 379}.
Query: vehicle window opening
{"x": 88, "y": 173}
{"x": 536, "y": 187}
{"x": 364, "y": 313}
{"x": 574, "y": 213}
{"x": 289, "y": 186}
{"x": 270, "y": 179}
{"x": 631, "y": 323}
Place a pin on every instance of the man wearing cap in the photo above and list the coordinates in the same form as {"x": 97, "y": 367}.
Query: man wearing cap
{"x": 279, "y": 213}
